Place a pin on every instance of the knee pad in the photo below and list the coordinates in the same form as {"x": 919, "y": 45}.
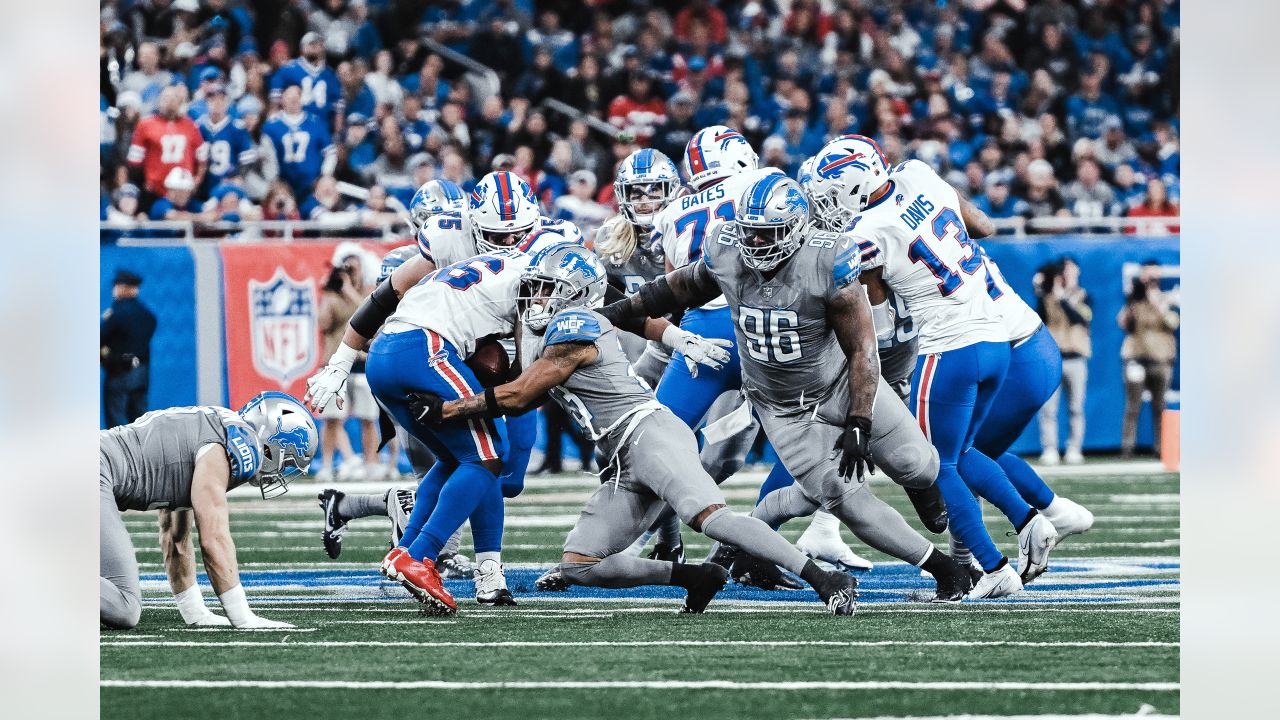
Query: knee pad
{"x": 913, "y": 465}
{"x": 125, "y": 614}
{"x": 578, "y": 573}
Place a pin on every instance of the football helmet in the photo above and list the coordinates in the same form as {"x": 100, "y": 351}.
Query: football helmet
{"x": 772, "y": 215}
{"x": 435, "y": 197}
{"x": 395, "y": 259}
{"x": 647, "y": 180}
{"x": 559, "y": 276}
{"x": 715, "y": 153}
{"x": 288, "y": 437}
{"x": 846, "y": 172}
{"x": 821, "y": 207}
{"x": 503, "y": 211}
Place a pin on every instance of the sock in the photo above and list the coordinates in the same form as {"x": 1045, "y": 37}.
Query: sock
{"x": 965, "y": 518}
{"x": 959, "y": 552}
{"x": 1030, "y": 514}
{"x": 1025, "y": 480}
{"x": 754, "y": 536}
{"x": 461, "y": 495}
{"x": 619, "y": 571}
{"x": 811, "y": 573}
{"x": 778, "y": 478}
{"x": 685, "y": 574}
{"x": 991, "y": 484}
{"x": 494, "y": 556}
{"x": 425, "y": 501}
{"x": 783, "y": 504}
{"x": 358, "y": 506}
{"x": 825, "y": 523}
{"x": 668, "y": 527}
{"x": 487, "y": 520}
{"x": 451, "y": 547}
{"x": 936, "y": 563}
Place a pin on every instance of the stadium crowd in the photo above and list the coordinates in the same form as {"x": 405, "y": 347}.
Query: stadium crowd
{"x": 228, "y": 110}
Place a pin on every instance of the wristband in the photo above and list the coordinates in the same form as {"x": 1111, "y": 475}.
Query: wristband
{"x": 344, "y": 357}
{"x": 191, "y": 604}
{"x": 491, "y": 402}
{"x": 672, "y": 335}
{"x": 236, "y": 606}
{"x": 882, "y": 316}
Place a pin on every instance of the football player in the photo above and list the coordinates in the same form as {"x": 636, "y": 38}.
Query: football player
{"x": 921, "y": 227}
{"x": 187, "y": 458}
{"x": 809, "y": 365}
{"x": 573, "y": 353}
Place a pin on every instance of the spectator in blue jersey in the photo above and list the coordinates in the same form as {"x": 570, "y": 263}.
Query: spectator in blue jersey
{"x": 206, "y": 79}
{"x": 296, "y": 145}
{"x": 325, "y": 202}
{"x": 321, "y": 91}
{"x": 179, "y": 202}
{"x": 359, "y": 147}
{"x": 228, "y": 145}
{"x": 998, "y": 202}
{"x": 431, "y": 89}
{"x": 1089, "y": 108}
{"x": 412, "y": 123}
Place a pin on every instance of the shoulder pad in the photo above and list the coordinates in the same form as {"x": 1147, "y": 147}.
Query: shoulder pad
{"x": 424, "y": 246}
{"x": 243, "y": 453}
{"x": 848, "y": 263}
{"x": 573, "y": 325}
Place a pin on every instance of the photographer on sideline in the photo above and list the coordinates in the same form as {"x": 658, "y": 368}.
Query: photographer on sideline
{"x": 1149, "y": 319}
{"x": 1067, "y": 311}
{"x": 124, "y": 337}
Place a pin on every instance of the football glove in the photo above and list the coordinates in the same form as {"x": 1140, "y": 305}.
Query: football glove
{"x": 696, "y": 349}
{"x": 329, "y": 384}
{"x": 426, "y": 408}
{"x": 854, "y": 447}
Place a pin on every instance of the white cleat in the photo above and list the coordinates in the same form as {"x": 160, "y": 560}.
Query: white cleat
{"x": 1049, "y": 457}
{"x": 351, "y": 470}
{"x": 1034, "y": 543}
{"x": 822, "y": 545}
{"x": 1068, "y": 517}
{"x": 1073, "y": 457}
{"x": 491, "y": 584}
{"x": 1001, "y": 583}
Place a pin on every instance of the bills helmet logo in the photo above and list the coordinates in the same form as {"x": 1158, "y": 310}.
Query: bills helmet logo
{"x": 831, "y": 165}
{"x": 282, "y": 323}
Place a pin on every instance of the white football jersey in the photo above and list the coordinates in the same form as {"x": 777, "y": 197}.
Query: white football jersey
{"x": 465, "y": 301}
{"x": 689, "y": 221}
{"x": 446, "y": 239}
{"x": 1018, "y": 317}
{"x": 929, "y": 260}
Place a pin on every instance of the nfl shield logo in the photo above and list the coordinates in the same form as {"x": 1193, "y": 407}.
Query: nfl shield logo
{"x": 768, "y": 291}
{"x": 282, "y": 321}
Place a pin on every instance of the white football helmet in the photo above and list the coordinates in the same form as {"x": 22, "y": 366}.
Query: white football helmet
{"x": 846, "y": 172}
{"x": 715, "y": 153}
{"x": 647, "y": 174}
{"x": 819, "y": 206}
{"x": 770, "y": 223}
{"x": 503, "y": 211}
{"x": 288, "y": 437}
{"x": 435, "y": 197}
{"x": 559, "y": 276}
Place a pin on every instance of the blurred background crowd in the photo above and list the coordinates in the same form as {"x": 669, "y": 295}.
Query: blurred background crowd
{"x": 336, "y": 110}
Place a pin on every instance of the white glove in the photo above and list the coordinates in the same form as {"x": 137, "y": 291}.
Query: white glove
{"x": 330, "y": 383}
{"x": 194, "y": 612}
{"x": 257, "y": 622}
{"x": 238, "y": 612}
{"x": 696, "y": 349}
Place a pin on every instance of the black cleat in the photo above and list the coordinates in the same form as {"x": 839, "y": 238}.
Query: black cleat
{"x": 751, "y": 570}
{"x": 838, "y": 591}
{"x": 722, "y": 555}
{"x": 551, "y": 581}
{"x": 499, "y": 598}
{"x": 954, "y": 582}
{"x": 709, "y": 580}
{"x": 669, "y": 553}
{"x": 930, "y": 507}
{"x": 335, "y": 526}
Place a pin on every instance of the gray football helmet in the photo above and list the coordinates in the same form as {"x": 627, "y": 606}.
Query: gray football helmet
{"x": 559, "y": 276}
{"x": 288, "y": 437}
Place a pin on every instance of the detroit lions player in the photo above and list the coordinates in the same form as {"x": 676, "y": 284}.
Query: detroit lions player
{"x": 188, "y": 458}
{"x": 809, "y": 368}
{"x": 435, "y": 197}
{"x": 921, "y": 226}
{"x": 574, "y": 354}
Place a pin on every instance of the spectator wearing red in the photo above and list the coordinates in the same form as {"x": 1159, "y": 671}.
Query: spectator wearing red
{"x": 711, "y": 17}
{"x": 167, "y": 140}
{"x": 1156, "y": 204}
{"x": 638, "y": 112}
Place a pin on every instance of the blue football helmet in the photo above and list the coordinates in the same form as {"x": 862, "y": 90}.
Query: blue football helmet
{"x": 288, "y": 437}
{"x": 771, "y": 220}
{"x": 435, "y": 197}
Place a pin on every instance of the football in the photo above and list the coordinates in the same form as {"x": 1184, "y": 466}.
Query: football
{"x": 490, "y": 363}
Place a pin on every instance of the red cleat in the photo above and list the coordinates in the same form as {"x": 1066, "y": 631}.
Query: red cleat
{"x": 422, "y": 580}
{"x": 387, "y": 562}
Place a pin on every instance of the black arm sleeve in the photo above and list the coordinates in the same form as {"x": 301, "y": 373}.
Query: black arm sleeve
{"x": 375, "y": 310}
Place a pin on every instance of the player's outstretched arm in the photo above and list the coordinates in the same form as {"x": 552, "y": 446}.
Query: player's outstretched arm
{"x": 976, "y": 222}
{"x": 180, "y": 566}
{"x": 690, "y": 286}
{"x": 850, "y": 317}
{"x": 555, "y": 366}
{"x": 209, "y": 501}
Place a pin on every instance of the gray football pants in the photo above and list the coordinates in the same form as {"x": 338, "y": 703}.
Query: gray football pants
{"x": 119, "y": 588}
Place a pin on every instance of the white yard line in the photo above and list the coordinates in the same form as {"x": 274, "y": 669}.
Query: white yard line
{"x": 648, "y": 643}
{"x": 643, "y": 685}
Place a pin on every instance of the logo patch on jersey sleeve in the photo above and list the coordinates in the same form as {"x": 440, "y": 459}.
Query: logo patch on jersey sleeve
{"x": 573, "y": 326}
{"x": 243, "y": 453}
{"x": 848, "y": 265}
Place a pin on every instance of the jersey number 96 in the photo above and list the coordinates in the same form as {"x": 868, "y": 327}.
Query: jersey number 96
{"x": 771, "y": 334}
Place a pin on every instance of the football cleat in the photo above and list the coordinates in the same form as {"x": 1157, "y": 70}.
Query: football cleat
{"x": 1068, "y": 517}
{"x": 930, "y": 507}
{"x": 722, "y": 554}
{"x": 1001, "y": 582}
{"x": 351, "y": 470}
{"x": 1073, "y": 457}
{"x": 551, "y": 581}
{"x": 838, "y": 591}
{"x": 669, "y": 553}
{"x": 399, "y": 507}
{"x": 954, "y": 584}
{"x": 821, "y": 545}
{"x": 748, "y": 569}
{"x": 421, "y": 580}
{"x": 711, "y": 580}
{"x": 1050, "y": 457}
{"x": 455, "y": 566}
{"x": 335, "y": 526}
{"x": 1035, "y": 540}
{"x": 491, "y": 584}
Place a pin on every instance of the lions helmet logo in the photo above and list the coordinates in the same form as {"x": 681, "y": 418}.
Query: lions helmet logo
{"x": 295, "y": 438}
{"x": 795, "y": 200}
{"x": 575, "y": 262}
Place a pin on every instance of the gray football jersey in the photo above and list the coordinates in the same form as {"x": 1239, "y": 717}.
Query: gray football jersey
{"x": 789, "y": 352}
{"x": 151, "y": 461}
{"x": 600, "y": 394}
{"x": 642, "y": 267}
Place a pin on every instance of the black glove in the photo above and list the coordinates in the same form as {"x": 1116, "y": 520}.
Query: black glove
{"x": 854, "y": 445}
{"x": 426, "y": 408}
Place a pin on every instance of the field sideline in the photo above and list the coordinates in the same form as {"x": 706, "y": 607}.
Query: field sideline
{"x": 1095, "y": 637}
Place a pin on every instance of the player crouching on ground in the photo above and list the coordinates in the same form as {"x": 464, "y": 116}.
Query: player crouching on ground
{"x": 189, "y": 457}
{"x": 573, "y": 353}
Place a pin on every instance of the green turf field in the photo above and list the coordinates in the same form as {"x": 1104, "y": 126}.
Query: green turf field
{"x": 1098, "y": 634}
